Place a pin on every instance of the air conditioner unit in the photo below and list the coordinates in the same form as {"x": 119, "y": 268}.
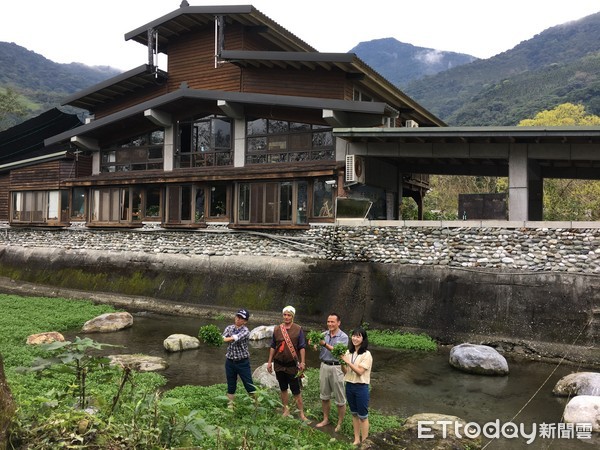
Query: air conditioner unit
{"x": 411, "y": 124}
{"x": 355, "y": 169}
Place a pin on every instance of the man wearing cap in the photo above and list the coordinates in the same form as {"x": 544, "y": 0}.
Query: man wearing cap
{"x": 331, "y": 377}
{"x": 237, "y": 357}
{"x": 288, "y": 353}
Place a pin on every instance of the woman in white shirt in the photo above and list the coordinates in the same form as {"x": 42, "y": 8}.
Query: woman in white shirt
{"x": 357, "y": 376}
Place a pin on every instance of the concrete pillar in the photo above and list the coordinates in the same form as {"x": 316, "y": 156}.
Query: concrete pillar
{"x": 169, "y": 149}
{"x": 536, "y": 191}
{"x": 239, "y": 143}
{"x": 518, "y": 188}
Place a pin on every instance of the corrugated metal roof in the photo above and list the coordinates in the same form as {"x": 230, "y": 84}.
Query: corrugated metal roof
{"x": 26, "y": 140}
{"x": 115, "y": 87}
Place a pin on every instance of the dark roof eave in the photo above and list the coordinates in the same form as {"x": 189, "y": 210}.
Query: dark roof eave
{"x": 216, "y": 10}
{"x": 466, "y": 133}
{"x": 237, "y": 97}
{"x": 138, "y": 78}
{"x": 250, "y": 55}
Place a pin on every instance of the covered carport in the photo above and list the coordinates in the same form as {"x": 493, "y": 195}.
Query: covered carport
{"x": 526, "y": 155}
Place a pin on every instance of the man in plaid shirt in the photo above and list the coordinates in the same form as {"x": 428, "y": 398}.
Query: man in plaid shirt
{"x": 237, "y": 358}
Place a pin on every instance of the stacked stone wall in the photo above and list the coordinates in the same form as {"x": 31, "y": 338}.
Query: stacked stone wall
{"x": 523, "y": 249}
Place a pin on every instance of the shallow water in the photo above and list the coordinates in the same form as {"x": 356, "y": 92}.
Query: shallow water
{"x": 403, "y": 382}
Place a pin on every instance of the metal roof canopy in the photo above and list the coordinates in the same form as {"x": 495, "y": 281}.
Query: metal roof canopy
{"x": 119, "y": 86}
{"x": 185, "y": 99}
{"x": 560, "y": 152}
{"x": 189, "y": 18}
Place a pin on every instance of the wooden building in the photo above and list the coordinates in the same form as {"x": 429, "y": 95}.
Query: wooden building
{"x": 237, "y": 130}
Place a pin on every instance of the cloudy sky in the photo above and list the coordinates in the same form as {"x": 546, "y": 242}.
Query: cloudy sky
{"x": 92, "y": 31}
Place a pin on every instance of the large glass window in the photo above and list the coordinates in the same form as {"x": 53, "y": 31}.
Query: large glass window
{"x": 272, "y": 141}
{"x": 40, "y": 207}
{"x": 143, "y": 152}
{"x": 272, "y": 203}
{"x": 205, "y": 142}
{"x": 189, "y": 203}
{"x": 128, "y": 205}
{"x": 78, "y": 203}
{"x": 323, "y": 197}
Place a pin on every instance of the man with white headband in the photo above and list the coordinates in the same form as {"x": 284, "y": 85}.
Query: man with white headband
{"x": 288, "y": 353}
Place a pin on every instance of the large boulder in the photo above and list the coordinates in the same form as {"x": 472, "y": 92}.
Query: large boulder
{"x": 478, "y": 359}
{"x": 262, "y": 376}
{"x": 139, "y": 363}
{"x": 579, "y": 383}
{"x": 180, "y": 342}
{"x": 108, "y": 322}
{"x": 262, "y": 332}
{"x": 7, "y": 407}
{"x": 429, "y": 436}
{"x": 583, "y": 409}
{"x": 45, "y": 338}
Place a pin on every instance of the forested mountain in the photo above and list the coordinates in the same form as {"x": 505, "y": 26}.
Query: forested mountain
{"x": 559, "y": 65}
{"x": 402, "y": 63}
{"x": 42, "y": 83}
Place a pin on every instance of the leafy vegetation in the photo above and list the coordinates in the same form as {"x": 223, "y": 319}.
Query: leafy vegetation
{"x": 395, "y": 339}
{"x": 313, "y": 337}
{"x": 211, "y": 335}
{"x": 127, "y": 410}
{"x": 338, "y": 351}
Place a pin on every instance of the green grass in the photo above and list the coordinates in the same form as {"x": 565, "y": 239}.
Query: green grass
{"x": 144, "y": 417}
{"x": 395, "y": 339}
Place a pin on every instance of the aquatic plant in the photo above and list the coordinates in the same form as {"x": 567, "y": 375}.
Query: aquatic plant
{"x": 314, "y": 337}
{"x": 397, "y": 339}
{"x": 338, "y": 351}
{"x": 211, "y": 335}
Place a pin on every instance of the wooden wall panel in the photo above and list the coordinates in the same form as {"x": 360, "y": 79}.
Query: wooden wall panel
{"x": 298, "y": 82}
{"x": 4, "y": 196}
{"x": 192, "y": 61}
{"x": 131, "y": 99}
{"x": 38, "y": 177}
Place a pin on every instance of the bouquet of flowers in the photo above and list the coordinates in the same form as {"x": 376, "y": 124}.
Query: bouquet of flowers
{"x": 211, "y": 335}
{"x": 338, "y": 351}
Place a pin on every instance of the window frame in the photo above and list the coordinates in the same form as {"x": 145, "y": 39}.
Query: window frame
{"x": 205, "y": 152}
{"x": 279, "y": 141}
{"x": 135, "y": 153}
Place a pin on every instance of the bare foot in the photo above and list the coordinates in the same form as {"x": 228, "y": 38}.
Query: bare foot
{"x": 286, "y": 412}
{"x": 303, "y": 418}
{"x": 357, "y": 443}
{"x": 338, "y": 427}
{"x": 322, "y": 424}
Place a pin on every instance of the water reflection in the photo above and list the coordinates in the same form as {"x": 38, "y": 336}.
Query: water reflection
{"x": 403, "y": 382}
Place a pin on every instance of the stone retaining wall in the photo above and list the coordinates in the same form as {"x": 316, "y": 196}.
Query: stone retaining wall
{"x": 519, "y": 286}
{"x": 522, "y": 249}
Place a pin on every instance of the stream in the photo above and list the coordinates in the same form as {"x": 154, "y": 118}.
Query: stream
{"x": 403, "y": 382}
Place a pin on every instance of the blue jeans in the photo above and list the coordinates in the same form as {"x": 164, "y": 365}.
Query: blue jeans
{"x": 240, "y": 367}
{"x": 358, "y": 399}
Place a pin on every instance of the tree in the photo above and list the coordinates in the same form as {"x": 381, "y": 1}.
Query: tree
{"x": 568, "y": 199}
{"x": 566, "y": 114}
{"x": 11, "y": 108}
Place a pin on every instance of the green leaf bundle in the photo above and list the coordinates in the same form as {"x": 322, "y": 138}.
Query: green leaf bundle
{"x": 211, "y": 335}
{"x": 338, "y": 351}
{"x": 314, "y": 337}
